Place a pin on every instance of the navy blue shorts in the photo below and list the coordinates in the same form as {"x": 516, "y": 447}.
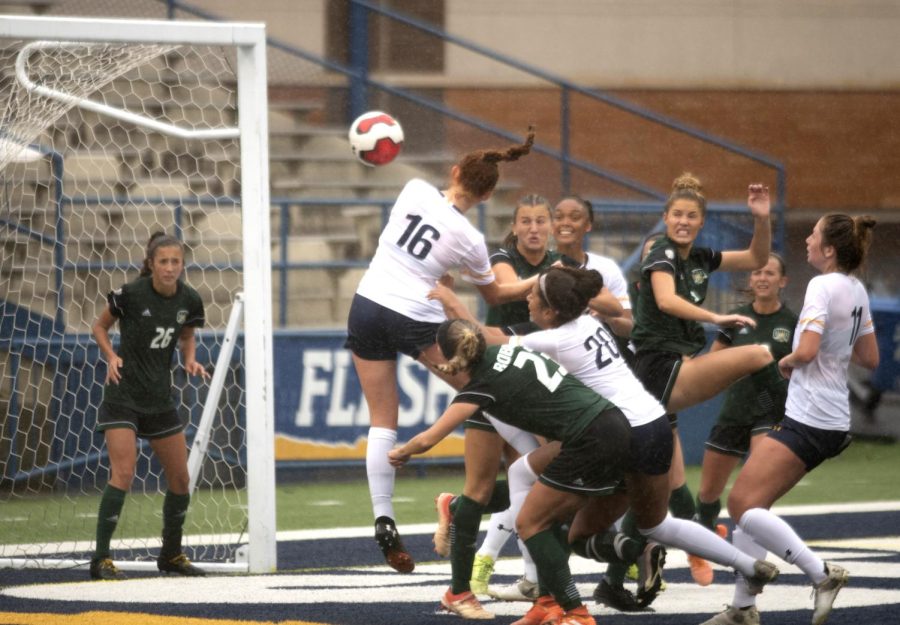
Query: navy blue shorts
{"x": 812, "y": 445}
{"x": 378, "y": 333}
{"x": 593, "y": 463}
{"x": 651, "y": 447}
{"x": 673, "y": 419}
{"x": 146, "y": 425}
{"x": 657, "y": 371}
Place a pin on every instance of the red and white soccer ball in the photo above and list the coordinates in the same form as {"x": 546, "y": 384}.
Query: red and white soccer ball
{"x": 375, "y": 138}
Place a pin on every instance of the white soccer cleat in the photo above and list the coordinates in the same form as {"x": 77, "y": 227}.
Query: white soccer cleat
{"x": 520, "y": 590}
{"x": 735, "y": 616}
{"x": 826, "y": 591}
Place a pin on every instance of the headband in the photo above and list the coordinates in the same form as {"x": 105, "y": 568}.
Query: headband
{"x": 542, "y": 284}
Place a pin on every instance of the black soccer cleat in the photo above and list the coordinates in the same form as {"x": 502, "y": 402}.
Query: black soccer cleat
{"x": 180, "y": 565}
{"x": 388, "y": 540}
{"x": 617, "y": 597}
{"x": 104, "y": 570}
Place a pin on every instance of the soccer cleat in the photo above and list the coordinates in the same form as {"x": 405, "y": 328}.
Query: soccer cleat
{"x": 650, "y": 566}
{"x": 701, "y": 570}
{"x": 482, "y": 569}
{"x": 632, "y": 574}
{"x": 722, "y": 531}
{"x": 465, "y": 605}
{"x": 545, "y": 611}
{"x": 104, "y": 569}
{"x": 617, "y": 597}
{"x": 735, "y": 616}
{"x": 179, "y": 565}
{"x": 763, "y": 573}
{"x": 388, "y": 540}
{"x": 521, "y": 590}
{"x": 826, "y": 591}
{"x": 441, "y": 538}
{"x": 578, "y": 616}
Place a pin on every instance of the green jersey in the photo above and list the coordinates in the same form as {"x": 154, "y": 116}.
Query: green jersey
{"x": 656, "y": 330}
{"x": 532, "y": 392}
{"x": 511, "y": 313}
{"x": 149, "y": 326}
{"x": 776, "y": 331}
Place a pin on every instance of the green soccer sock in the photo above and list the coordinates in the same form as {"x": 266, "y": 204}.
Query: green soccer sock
{"x": 499, "y": 500}
{"x": 111, "y": 503}
{"x": 174, "y": 511}
{"x": 464, "y": 533}
{"x": 552, "y": 560}
{"x": 708, "y": 513}
{"x": 681, "y": 503}
{"x": 610, "y": 546}
{"x": 615, "y": 572}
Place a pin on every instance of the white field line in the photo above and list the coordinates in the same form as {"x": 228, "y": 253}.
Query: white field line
{"x": 428, "y": 528}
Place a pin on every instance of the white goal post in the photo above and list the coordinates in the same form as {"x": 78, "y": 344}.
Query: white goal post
{"x": 112, "y": 129}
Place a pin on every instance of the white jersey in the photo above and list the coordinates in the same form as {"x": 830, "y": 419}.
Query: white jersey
{"x": 425, "y": 237}
{"x": 587, "y": 349}
{"x": 613, "y": 279}
{"x": 837, "y": 307}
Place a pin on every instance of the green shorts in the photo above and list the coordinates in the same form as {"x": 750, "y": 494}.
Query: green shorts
{"x": 145, "y": 424}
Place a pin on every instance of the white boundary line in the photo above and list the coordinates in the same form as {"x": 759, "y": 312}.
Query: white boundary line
{"x": 428, "y": 528}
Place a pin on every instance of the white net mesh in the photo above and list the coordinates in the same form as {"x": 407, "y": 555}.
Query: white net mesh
{"x": 80, "y": 194}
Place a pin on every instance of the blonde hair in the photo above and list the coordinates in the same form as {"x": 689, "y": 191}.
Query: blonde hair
{"x": 461, "y": 343}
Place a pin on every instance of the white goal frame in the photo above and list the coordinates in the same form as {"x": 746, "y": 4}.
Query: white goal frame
{"x": 249, "y": 40}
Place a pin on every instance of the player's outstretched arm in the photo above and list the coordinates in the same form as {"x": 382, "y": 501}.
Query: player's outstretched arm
{"x": 757, "y": 255}
{"x": 452, "y": 418}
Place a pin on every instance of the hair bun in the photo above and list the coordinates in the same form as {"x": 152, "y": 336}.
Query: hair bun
{"x": 687, "y": 182}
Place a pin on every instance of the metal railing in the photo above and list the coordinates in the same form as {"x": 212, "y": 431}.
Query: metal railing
{"x": 359, "y": 78}
{"x": 567, "y": 88}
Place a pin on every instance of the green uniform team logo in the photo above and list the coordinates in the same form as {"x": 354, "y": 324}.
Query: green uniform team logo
{"x": 781, "y": 335}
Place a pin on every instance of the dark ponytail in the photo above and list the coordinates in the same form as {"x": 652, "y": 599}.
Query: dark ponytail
{"x": 568, "y": 290}
{"x": 850, "y": 237}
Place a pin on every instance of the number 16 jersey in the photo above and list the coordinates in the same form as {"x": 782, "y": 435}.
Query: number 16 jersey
{"x": 425, "y": 237}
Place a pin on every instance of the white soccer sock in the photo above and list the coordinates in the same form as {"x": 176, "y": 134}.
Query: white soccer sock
{"x": 521, "y": 478}
{"x": 530, "y": 567}
{"x": 501, "y": 526}
{"x": 379, "y": 470}
{"x": 744, "y": 542}
{"x": 773, "y": 533}
{"x": 696, "y": 539}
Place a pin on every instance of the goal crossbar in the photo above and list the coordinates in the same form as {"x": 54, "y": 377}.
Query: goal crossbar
{"x": 105, "y": 109}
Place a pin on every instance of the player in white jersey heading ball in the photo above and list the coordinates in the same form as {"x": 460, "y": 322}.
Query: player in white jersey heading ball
{"x": 427, "y": 235}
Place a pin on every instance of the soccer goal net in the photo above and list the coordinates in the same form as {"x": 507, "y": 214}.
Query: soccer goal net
{"x": 112, "y": 130}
